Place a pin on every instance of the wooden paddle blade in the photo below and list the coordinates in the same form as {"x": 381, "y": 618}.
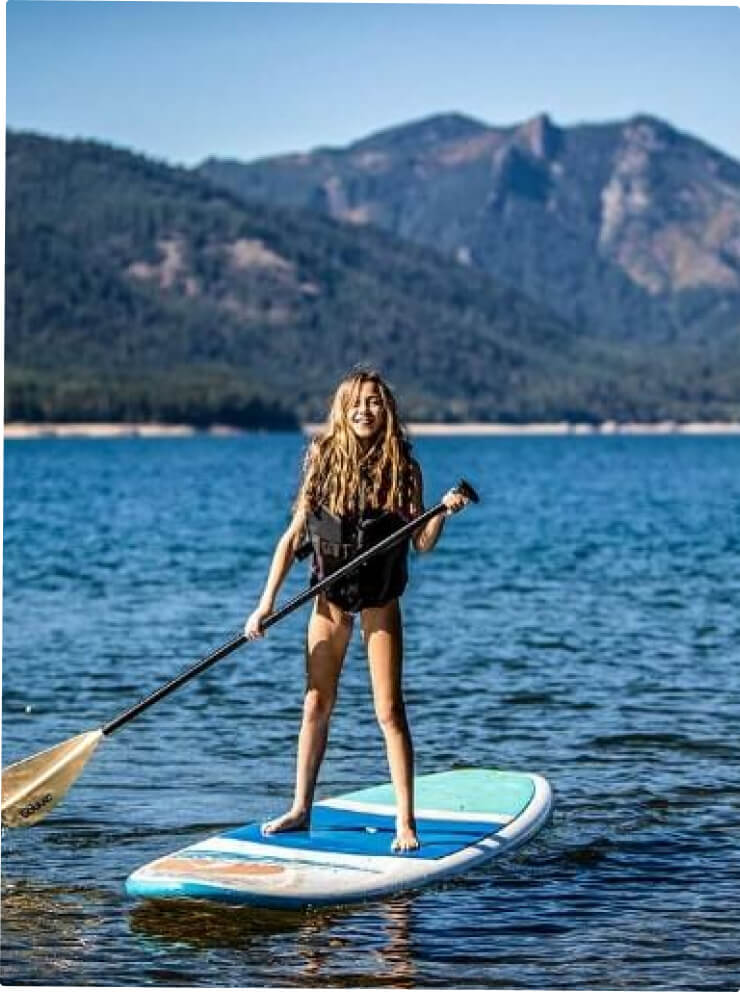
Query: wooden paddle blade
{"x": 31, "y": 788}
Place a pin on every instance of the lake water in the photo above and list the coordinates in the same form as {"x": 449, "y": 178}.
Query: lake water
{"x": 582, "y": 622}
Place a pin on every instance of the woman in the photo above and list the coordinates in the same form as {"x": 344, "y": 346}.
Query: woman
{"x": 360, "y": 483}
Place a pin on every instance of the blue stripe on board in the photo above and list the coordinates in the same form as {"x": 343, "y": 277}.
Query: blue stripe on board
{"x": 344, "y": 831}
{"x": 164, "y": 889}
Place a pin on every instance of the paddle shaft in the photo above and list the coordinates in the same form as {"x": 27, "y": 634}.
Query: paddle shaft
{"x": 226, "y": 649}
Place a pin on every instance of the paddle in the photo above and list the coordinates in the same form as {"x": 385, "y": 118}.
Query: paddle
{"x": 31, "y": 788}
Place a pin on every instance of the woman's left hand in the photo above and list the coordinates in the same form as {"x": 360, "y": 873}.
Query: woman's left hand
{"x": 454, "y": 501}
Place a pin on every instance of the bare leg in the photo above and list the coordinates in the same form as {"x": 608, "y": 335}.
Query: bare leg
{"x": 384, "y": 639}
{"x": 329, "y": 631}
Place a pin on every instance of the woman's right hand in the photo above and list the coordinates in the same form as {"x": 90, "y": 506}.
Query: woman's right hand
{"x": 253, "y": 625}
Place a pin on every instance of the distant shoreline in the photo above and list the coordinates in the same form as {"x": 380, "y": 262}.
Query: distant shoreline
{"x": 26, "y": 431}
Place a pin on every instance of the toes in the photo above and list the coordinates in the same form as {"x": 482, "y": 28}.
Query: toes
{"x": 284, "y": 824}
{"x": 399, "y": 846}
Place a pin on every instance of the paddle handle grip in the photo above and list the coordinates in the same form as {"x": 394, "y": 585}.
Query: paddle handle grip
{"x": 226, "y": 649}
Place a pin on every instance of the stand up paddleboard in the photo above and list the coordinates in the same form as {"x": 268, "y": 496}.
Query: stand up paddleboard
{"x": 463, "y": 818}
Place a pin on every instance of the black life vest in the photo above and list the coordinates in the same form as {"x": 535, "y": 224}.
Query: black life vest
{"x": 336, "y": 540}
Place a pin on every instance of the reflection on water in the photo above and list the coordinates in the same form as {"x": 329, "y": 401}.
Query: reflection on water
{"x": 319, "y": 938}
{"x": 204, "y": 924}
{"x": 54, "y": 920}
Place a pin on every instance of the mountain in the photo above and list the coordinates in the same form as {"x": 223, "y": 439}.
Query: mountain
{"x": 139, "y": 291}
{"x": 630, "y": 229}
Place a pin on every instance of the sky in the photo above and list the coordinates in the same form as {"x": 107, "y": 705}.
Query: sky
{"x": 182, "y": 81}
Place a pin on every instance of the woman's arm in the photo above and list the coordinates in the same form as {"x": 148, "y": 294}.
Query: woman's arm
{"x": 427, "y": 536}
{"x": 282, "y": 559}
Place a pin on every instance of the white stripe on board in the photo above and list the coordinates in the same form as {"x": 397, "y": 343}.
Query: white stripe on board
{"x": 273, "y": 852}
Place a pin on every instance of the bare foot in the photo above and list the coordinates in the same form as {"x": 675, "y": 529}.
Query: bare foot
{"x": 405, "y": 839}
{"x": 293, "y": 820}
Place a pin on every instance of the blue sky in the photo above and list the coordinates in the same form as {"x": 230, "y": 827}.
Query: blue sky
{"x": 180, "y": 81}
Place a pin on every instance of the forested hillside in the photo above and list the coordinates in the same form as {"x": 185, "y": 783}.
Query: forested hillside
{"x": 139, "y": 291}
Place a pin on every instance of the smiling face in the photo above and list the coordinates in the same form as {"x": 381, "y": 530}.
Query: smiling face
{"x": 366, "y": 412}
{"x": 364, "y": 446}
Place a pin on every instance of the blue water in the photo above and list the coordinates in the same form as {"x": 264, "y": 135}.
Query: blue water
{"x": 582, "y": 622}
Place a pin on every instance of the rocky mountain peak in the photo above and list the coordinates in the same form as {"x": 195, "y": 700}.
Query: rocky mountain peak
{"x": 540, "y": 136}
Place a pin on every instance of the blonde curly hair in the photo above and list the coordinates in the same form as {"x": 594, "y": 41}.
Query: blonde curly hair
{"x": 336, "y": 468}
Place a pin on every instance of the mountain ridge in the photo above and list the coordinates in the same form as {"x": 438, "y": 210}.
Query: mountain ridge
{"x": 137, "y": 287}
{"x": 137, "y": 290}
{"x": 629, "y": 227}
